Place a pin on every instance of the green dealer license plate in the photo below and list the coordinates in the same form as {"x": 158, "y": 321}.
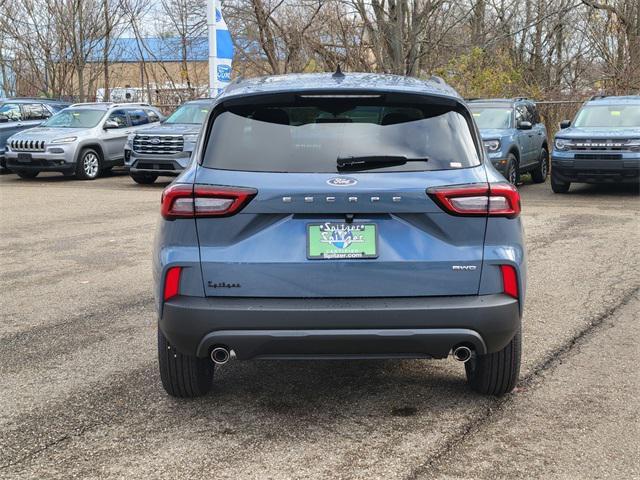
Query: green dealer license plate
{"x": 331, "y": 241}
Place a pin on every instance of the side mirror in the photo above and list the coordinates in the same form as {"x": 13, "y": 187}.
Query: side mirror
{"x": 565, "y": 124}
{"x": 524, "y": 125}
{"x": 3, "y": 119}
{"x": 110, "y": 125}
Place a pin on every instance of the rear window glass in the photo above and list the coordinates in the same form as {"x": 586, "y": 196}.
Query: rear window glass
{"x": 312, "y": 138}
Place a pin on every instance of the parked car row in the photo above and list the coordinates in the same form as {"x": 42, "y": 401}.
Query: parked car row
{"x": 602, "y": 145}
{"x": 83, "y": 140}
{"x": 87, "y": 139}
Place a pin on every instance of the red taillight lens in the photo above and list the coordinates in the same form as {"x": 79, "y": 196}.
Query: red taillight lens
{"x": 189, "y": 201}
{"x": 172, "y": 282}
{"x": 177, "y": 201}
{"x": 504, "y": 200}
{"x": 509, "y": 280}
{"x": 481, "y": 199}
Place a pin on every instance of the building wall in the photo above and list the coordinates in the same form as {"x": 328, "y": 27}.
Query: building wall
{"x": 159, "y": 75}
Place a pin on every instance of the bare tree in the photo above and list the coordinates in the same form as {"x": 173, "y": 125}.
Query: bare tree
{"x": 544, "y": 48}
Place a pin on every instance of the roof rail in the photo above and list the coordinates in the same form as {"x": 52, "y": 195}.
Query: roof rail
{"x": 517, "y": 99}
{"x": 126, "y": 104}
{"x": 600, "y": 95}
{"x": 91, "y": 103}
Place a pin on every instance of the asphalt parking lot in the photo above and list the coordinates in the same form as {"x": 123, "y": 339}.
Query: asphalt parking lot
{"x": 81, "y": 397}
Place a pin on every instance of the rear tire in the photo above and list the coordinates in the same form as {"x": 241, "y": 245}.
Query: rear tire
{"x": 182, "y": 375}
{"x": 144, "y": 178}
{"x": 512, "y": 174}
{"x": 539, "y": 174}
{"x": 89, "y": 164}
{"x": 27, "y": 173}
{"x": 559, "y": 186}
{"x": 496, "y": 373}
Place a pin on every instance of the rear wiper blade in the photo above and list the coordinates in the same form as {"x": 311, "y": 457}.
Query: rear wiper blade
{"x": 375, "y": 161}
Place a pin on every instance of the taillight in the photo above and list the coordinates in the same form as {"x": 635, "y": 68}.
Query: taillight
{"x": 172, "y": 283}
{"x": 509, "y": 280}
{"x": 189, "y": 201}
{"x": 478, "y": 199}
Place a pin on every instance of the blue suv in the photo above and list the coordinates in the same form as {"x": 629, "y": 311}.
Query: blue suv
{"x": 514, "y": 136}
{"x": 339, "y": 217}
{"x": 601, "y": 145}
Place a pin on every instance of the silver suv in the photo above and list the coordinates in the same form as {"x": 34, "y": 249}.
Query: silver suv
{"x": 166, "y": 149}
{"x": 84, "y": 139}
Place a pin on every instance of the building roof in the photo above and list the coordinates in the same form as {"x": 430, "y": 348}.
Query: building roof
{"x": 348, "y": 82}
{"x": 150, "y": 49}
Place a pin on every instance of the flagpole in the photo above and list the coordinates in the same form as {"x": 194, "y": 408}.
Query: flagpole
{"x": 213, "y": 47}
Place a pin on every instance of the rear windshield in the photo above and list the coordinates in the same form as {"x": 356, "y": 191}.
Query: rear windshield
{"x": 492, "y": 117}
{"x": 608, "y": 116}
{"x": 313, "y": 137}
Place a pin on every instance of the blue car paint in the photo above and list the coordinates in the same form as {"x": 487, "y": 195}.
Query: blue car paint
{"x": 568, "y": 165}
{"x": 263, "y": 245}
{"x": 526, "y": 145}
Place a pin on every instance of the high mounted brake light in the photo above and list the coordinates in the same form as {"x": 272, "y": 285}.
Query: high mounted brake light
{"x": 478, "y": 199}
{"x": 190, "y": 201}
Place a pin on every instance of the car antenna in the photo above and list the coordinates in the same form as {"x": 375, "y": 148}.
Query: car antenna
{"x": 338, "y": 73}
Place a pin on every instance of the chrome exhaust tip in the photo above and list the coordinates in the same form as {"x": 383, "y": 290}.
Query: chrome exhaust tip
{"x": 462, "y": 353}
{"x": 220, "y": 355}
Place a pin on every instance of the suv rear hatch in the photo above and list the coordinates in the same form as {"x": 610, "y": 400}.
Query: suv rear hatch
{"x": 326, "y": 196}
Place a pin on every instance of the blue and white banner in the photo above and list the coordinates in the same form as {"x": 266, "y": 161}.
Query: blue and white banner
{"x": 220, "y": 49}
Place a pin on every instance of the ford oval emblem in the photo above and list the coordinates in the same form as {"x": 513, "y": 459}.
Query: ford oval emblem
{"x": 342, "y": 181}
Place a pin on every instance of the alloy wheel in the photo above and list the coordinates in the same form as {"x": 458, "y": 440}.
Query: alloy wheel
{"x": 90, "y": 164}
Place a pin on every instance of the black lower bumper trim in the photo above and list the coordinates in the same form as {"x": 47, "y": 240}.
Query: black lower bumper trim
{"x": 342, "y": 343}
{"x": 40, "y": 165}
{"x": 363, "y": 327}
{"x": 596, "y": 170}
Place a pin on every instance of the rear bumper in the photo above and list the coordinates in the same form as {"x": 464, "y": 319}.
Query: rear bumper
{"x": 319, "y": 328}
{"x": 578, "y": 170}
